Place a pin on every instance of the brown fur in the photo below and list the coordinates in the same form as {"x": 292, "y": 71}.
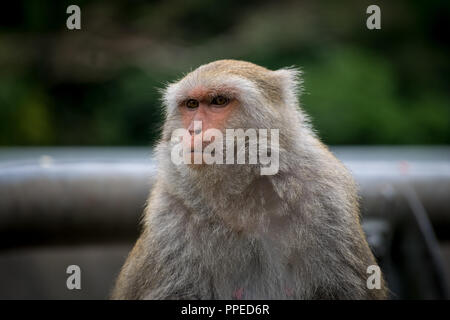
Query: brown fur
{"x": 212, "y": 231}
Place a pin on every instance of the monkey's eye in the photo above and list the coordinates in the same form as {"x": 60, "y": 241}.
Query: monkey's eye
{"x": 192, "y": 103}
{"x": 219, "y": 101}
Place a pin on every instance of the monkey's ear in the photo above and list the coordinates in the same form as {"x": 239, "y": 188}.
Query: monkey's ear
{"x": 290, "y": 81}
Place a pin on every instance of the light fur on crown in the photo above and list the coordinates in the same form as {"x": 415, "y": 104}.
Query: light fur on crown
{"x": 241, "y": 88}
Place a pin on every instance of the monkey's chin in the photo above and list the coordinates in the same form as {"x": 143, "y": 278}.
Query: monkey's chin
{"x": 191, "y": 161}
{"x": 196, "y": 166}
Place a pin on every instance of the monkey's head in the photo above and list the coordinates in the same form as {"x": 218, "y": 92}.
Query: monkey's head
{"x": 230, "y": 94}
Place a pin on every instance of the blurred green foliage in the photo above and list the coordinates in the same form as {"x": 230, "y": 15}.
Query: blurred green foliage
{"x": 99, "y": 85}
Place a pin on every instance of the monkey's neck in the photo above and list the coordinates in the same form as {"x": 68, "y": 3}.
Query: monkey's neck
{"x": 237, "y": 197}
{"x": 236, "y": 194}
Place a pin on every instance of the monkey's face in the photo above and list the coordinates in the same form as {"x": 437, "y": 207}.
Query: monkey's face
{"x": 206, "y": 112}
{"x": 224, "y": 95}
{"x": 205, "y": 109}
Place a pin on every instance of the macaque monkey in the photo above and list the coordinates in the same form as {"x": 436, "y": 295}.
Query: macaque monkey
{"x": 227, "y": 231}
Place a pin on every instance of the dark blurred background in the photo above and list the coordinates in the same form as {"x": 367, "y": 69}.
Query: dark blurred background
{"x": 97, "y": 89}
{"x": 97, "y": 85}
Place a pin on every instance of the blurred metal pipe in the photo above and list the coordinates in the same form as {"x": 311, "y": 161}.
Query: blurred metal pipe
{"x": 71, "y": 195}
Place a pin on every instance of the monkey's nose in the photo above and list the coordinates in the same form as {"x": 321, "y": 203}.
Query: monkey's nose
{"x": 195, "y": 132}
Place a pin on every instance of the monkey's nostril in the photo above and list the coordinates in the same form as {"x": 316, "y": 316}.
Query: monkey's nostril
{"x": 194, "y": 132}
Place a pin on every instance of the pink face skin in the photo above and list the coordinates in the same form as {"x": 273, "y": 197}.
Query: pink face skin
{"x": 211, "y": 109}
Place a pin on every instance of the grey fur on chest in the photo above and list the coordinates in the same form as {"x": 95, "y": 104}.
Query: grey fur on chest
{"x": 234, "y": 267}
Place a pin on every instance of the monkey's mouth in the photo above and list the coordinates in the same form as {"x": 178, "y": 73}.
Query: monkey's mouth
{"x": 212, "y": 153}
{"x": 199, "y": 149}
